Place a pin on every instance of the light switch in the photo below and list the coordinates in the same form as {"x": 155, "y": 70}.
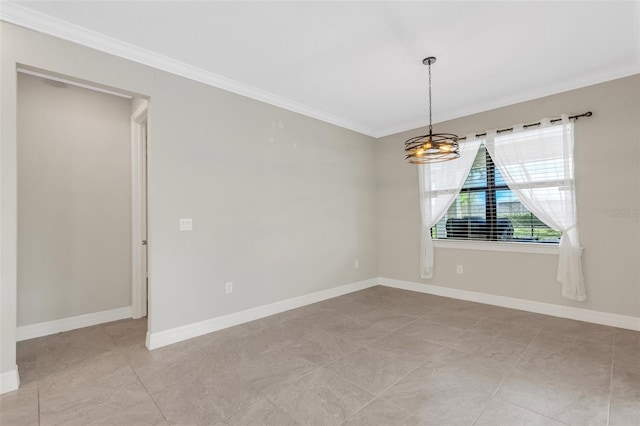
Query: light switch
{"x": 186, "y": 224}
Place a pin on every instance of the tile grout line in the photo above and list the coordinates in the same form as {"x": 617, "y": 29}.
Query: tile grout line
{"x": 375, "y": 398}
{"x": 422, "y": 318}
{"x": 338, "y": 376}
{"x": 520, "y": 406}
{"x": 379, "y": 395}
{"x": 442, "y": 348}
{"x": 243, "y": 406}
{"x": 147, "y": 391}
{"x": 264, "y": 396}
{"x": 613, "y": 352}
{"x": 38, "y": 381}
{"x": 137, "y": 377}
{"x": 579, "y": 341}
{"x": 517, "y": 362}
{"x": 325, "y": 365}
{"x": 389, "y": 332}
{"x": 515, "y": 365}
{"x": 261, "y": 395}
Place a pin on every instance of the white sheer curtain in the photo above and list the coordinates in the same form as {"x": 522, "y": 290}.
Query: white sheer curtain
{"x": 440, "y": 184}
{"x": 538, "y": 166}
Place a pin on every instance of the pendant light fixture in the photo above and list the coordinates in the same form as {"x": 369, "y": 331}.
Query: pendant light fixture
{"x": 434, "y": 147}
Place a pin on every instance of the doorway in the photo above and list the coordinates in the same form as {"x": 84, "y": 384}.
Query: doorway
{"x": 81, "y": 200}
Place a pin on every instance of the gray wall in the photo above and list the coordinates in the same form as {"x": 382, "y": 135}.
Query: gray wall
{"x": 74, "y": 201}
{"x": 282, "y": 204}
{"x": 607, "y": 178}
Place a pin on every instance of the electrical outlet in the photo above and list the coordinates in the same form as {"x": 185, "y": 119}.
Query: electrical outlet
{"x": 356, "y": 264}
{"x": 228, "y": 287}
{"x": 459, "y": 269}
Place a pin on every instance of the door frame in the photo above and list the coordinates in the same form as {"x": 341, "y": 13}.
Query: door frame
{"x": 139, "y": 238}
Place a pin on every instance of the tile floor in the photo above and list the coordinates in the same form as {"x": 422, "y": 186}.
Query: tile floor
{"x": 376, "y": 357}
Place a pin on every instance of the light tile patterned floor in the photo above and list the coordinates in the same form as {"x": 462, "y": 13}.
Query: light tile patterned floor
{"x": 376, "y": 357}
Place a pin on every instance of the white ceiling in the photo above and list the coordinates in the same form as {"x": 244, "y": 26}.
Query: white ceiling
{"x": 359, "y": 64}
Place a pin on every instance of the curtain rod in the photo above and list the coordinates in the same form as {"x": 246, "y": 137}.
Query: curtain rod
{"x": 572, "y": 117}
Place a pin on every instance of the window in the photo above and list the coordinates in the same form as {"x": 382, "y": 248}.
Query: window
{"x": 477, "y": 204}
{"x": 487, "y": 210}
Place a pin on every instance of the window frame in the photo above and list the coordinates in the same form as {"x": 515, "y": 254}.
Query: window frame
{"x": 504, "y": 246}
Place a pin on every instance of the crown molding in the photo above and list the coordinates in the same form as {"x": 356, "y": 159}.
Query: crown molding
{"x": 22, "y": 16}
{"x": 577, "y": 83}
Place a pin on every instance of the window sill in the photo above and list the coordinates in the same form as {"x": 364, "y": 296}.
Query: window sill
{"x": 538, "y": 248}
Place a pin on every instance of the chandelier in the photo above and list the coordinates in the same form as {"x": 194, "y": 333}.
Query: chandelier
{"x": 434, "y": 147}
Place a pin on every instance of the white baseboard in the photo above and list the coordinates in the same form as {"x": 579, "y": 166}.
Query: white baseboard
{"x": 588, "y": 315}
{"x": 9, "y": 381}
{"x": 57, "y": 326}
{"x": 189, "y": 331}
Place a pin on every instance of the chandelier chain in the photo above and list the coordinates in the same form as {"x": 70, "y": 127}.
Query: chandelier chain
{"x": 430, "y": 127}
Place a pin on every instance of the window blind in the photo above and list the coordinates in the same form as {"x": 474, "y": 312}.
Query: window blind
{"x": 488, "y": 210}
